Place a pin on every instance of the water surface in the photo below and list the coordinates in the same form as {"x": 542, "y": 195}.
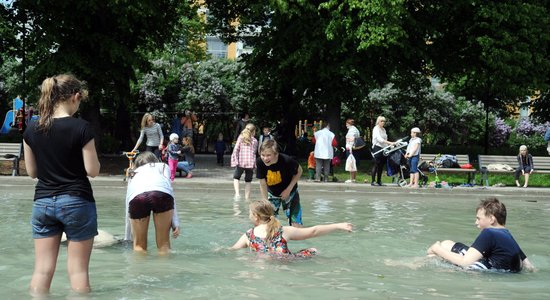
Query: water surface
{"x": 384, "y": 258}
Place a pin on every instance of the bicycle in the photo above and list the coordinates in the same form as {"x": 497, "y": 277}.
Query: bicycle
{"x": 130, "y": 155}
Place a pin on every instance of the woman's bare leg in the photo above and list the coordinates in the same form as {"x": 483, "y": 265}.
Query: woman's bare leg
{"x": 78, "y": 262}
{"x": 247, "y": 187}
{"x": 236, "y": 187}
{"x": 45, "y": 260}
{"x": 163, "y": 223}
{"x": 139, "y": 233}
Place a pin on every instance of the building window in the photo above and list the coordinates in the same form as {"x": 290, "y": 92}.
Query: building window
{"x": 216, "y": 47}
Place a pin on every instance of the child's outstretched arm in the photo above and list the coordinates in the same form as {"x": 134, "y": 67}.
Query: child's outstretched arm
{"x": 295, "y": 233}
{"x": 241, "y": 243}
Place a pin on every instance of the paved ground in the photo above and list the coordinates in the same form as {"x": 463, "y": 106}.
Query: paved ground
{"x": 208, "y": 174}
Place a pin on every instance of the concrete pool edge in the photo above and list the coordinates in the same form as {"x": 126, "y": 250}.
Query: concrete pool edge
{"x": 227, "y": 183}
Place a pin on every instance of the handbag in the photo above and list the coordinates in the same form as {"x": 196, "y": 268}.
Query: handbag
{"x": 359, "y": 143}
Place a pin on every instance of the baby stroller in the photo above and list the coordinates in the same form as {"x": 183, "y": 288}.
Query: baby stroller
{"x": 399, "y": 169}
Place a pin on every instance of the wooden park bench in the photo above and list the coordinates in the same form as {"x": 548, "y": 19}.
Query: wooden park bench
{"x": 13, "y": 152}
{"x": 541, "y": 165}
{"x": 462, "y": 159}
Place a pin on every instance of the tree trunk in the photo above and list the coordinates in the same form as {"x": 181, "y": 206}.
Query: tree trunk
{"x": 334, "y": 110}
{"x": 122, "y": 127}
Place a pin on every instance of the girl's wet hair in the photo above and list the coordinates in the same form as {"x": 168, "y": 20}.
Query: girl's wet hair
{"x": 263, "y": 210}
{"x": 55, "y": 90}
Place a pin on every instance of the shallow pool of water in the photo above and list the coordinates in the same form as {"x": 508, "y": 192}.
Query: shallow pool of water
{"x": 384, "y": 258}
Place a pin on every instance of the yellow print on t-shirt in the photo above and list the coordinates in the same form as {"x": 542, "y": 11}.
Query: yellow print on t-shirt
{"x": 273, "y": 177}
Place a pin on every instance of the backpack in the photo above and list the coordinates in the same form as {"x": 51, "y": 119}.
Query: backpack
{"x": 447, "y": 161}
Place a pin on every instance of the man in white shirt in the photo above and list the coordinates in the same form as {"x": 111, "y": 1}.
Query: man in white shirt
{"x": 324, "y": 141}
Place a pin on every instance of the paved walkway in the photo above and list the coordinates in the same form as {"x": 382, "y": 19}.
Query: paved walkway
{"x": 208, "y": 173}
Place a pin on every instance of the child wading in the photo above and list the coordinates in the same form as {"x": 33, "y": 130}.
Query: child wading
{"x": 243, "y": 159}
{"x": 269, "y": 236}
{"x": 494, "y": 247}
{"x": 279, "y": 174}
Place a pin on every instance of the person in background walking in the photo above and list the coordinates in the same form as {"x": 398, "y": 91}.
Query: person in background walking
{"x": 245, "y": 118}
{"x": 187, "y": 124}
{"x": 351, "y": 161}
{"x": 153, "y": 131}
{"x": 324, "y": 141}
{"x": 219, "y": 148}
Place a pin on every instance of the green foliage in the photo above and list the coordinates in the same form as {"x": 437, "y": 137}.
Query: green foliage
{"x": 102, "y": 42}
{"x": 436, "y": 112}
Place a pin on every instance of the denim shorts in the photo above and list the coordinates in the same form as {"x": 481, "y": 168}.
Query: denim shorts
{"x": 73, "y": 215}
{"x": 414, "y": 164}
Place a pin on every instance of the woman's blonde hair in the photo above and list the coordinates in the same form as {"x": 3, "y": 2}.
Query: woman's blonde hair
{"x": 263, "y": 210}
{"x": 522, "y": 147}
{"x": 144, "y": 119}
{"x": 55, "y": 90}
{"x": 380, "y": 118}
{"x": 247, "y": 133}
{"x": 189, "y": 142}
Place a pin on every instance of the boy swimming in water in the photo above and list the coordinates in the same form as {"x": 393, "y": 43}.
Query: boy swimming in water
{"x": 494, "y": 248}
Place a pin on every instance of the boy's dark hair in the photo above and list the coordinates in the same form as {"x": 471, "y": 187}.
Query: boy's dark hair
{"x": 494, "y": 207}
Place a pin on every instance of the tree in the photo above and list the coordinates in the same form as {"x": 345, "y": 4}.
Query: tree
{"x": 495, "y": 52}
{"x": 295, "y": 67}
{"x": 103, "y": 42}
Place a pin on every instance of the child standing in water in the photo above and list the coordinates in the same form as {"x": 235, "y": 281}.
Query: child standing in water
{"x": 150, "y": 190}
{"x": 243, "y": 159}
{"x": 173, "y": 155}
{"x": 279, "y": 175}
{"x": 525, "y": 165}
{"x": 269, "y": 236}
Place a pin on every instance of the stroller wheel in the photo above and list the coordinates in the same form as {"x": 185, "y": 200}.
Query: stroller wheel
{"x": 402, "y": 182}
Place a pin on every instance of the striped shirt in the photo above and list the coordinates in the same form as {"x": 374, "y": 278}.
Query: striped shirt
{"x": 154, "y": 135}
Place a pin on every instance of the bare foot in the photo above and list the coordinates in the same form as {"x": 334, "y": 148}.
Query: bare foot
{"x": 517, "y": 184}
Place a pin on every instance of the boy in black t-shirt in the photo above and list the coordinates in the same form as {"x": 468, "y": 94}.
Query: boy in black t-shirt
{"x": 494, "y": 248}
{"x": 279, "y": 174}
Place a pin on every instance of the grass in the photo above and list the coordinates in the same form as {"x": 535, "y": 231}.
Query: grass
{"x": 365, "y": 166}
